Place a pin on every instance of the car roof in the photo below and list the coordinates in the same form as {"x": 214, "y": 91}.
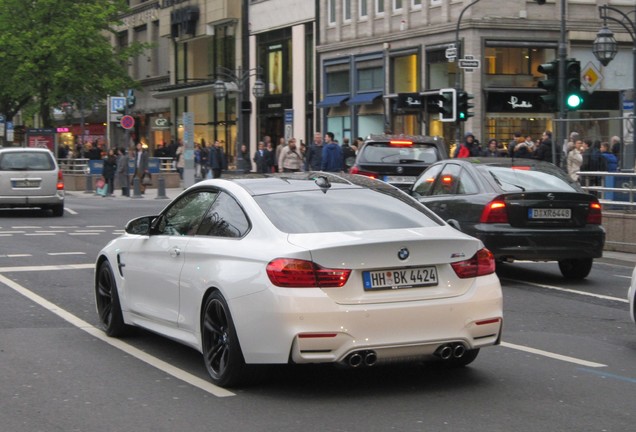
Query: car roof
{"x": 23, "y": 149}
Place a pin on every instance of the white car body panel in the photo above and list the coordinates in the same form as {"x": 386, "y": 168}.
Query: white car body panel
{"x": 631, "y": 295}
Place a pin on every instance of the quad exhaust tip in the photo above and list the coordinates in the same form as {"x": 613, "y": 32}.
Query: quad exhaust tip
{"x": 451, "y": 350}
{"x": 362, "y": 358}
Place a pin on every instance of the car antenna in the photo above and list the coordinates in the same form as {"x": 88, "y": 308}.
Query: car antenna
{"x": 323, "y": 183}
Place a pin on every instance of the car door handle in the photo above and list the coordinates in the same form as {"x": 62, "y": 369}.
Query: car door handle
{"x": 175, "y": 252}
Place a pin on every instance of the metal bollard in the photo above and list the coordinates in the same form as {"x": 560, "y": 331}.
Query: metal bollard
{"x": 161, "y": 188}
{"x": 89, "y": 183}
{"x": 136, "y": 188}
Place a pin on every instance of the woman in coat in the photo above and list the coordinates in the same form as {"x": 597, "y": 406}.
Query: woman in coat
{"x": 121, "y": 172}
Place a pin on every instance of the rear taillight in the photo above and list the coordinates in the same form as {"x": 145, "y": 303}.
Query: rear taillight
{"x": 494, "y": 212}
{"x": 60, "y": 180}
{"x": 481, "y": 264}
{"x": 295, "y": 273}
{"x": 594, "y": 214}
{"x": 355, "y": 170}
{"x": 400, "y": 143}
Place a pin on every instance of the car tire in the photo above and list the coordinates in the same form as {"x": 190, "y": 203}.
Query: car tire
{"x": 107, "y": 300}
{"x": 220, "y": 345}
{"x": 58, "y": 210}
{"x": 576, "y": 268}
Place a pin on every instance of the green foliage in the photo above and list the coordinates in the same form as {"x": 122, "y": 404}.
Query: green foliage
{"x": 59, "y": 50}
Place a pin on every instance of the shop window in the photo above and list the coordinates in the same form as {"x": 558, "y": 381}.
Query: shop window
{"x": 370, "y": 79}
{"x": 338, "y": 82}
{"x": 405, "y": 77}
{"x": 514, "y": 66}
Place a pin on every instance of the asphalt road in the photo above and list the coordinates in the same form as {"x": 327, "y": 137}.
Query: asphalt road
{"x": 567, "y": 361}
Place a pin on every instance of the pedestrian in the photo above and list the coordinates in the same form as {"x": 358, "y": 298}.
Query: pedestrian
{"x": 261, "y": 158}
{"x": 544, "y": 151}
{"x": 121, "y": 171}
{"x": 279, "y": 148}
{"x": 313, "y": 158}
{"x": 516, "y": 139}
{"x": 204, "y": 159}
{"x": 244, "y": 165}
{"x": 468, "y": 148}
{"x": 611, "y": 163}
{"x": 290, "y": 159}
{"x": 331, "y": 155}
{"x": 348, "y": 155}
{"x": 141, "y": 166}
{"x": 109, "y": 170}
{"x": 218, "y": 162}
{"x": 616, "y": 145}
{"x": 271, "y": 154}
{"x": 179, "y": 158}
{"x": 574, "y": 159}
{"x": 492, "y": 150}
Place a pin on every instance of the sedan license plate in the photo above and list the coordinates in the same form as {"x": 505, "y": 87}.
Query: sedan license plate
{"x": 549, "y": 213}
{"x": 399, "y": 179}
{"x": 400, "y": 278}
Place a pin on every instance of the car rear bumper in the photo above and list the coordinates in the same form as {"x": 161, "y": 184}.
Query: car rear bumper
{"x": 542, "y": 245}
{"x": 307, "y": 326}
{"x": 32, "y": 201}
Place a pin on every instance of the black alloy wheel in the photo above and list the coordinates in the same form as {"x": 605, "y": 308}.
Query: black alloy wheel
{"x": 107, "y": 299}
{"x": 221, "y": 350}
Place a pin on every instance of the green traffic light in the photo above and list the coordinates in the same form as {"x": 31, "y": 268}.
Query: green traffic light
{"x": 574, "y": 101}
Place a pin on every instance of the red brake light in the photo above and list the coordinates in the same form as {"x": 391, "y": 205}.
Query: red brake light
{"x": 400, "y": 143}
{"x": 494, "y": 212}
{"x": 355, "y": 170}
{"x": 481, "y": 264}
{"x": 520, "y": 168}
{"x": 594, "y": 215}
{"x": 60, "y": 180}
{"x": 295, "y": 273}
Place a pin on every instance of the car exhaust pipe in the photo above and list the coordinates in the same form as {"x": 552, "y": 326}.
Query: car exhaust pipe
{"x": 370, "y": 358}
{"x": 459, "y": 351}
{"x": 444, "y": 352}
{"x": 355, "y": 360}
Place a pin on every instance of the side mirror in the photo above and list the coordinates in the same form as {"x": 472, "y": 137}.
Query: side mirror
{"x": 140, "y": 225}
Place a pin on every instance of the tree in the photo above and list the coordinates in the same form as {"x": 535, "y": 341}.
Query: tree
{"x": 55, "y": 51}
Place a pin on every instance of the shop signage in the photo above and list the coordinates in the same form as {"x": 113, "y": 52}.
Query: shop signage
{"x": 411, "y": 101}
{"x": 514, "y": 102}
{"x": 161, "y": 123}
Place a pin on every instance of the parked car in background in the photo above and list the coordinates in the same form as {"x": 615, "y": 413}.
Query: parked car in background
{"x": 522, "y": 209}
{"x": 30, "y": 177}
{"x": 398, "y": 159}
{"x": 301, "y": 268}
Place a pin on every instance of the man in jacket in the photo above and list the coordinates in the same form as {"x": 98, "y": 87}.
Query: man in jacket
{"x": 544, "y": 151}
{"x": 217, "y": 159}
{"x": 141, "y": 166}
{"x": 313, "y": 157}
{"x": 331, "y": 155}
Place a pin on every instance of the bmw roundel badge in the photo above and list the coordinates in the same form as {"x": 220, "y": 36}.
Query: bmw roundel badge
{"x": 403, "y": 254}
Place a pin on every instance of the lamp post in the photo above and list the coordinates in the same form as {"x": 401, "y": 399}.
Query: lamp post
{"x": 229, "y": 80}
{"x": 605, "y": 48}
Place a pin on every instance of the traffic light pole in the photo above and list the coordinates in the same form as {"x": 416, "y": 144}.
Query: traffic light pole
{"x": 458, "y": 132}
{"x": 559, "y": 133}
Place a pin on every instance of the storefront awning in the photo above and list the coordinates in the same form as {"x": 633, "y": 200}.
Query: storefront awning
{"x": 364, "y": 98}
{"x": 332, "y": 101}
{"x": 186, "y": 89}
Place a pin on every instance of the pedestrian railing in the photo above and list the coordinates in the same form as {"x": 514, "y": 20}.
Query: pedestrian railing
{"x": 73, "y": 166}
{"x": 85, "y": 166}
{"x": 616, "y": 190}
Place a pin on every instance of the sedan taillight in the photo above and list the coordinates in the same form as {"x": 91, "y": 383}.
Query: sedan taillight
{"x": 355, "y": 170}
{"x": 594, "y": 214}
{"x": 295, "y": 273}
{"x": 494, "y": 212}
{"x": 481, "y": 264}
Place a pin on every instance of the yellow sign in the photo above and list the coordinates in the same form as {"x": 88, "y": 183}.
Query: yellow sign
{"x": 591, "y": 77}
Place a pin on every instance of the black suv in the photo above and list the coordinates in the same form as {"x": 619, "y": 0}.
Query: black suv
{"x": 398, "y": 159}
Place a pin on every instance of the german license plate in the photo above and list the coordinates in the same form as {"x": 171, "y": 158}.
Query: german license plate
{"x": 399, "y": 179}
{"x": 549, "y": 213}
{"x": 400, "y": 278}
{"x": 25, "y": 183}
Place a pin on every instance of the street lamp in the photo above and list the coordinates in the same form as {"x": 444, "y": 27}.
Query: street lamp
{"x": 229, "y": 80}
{"x": 605, "y": 48}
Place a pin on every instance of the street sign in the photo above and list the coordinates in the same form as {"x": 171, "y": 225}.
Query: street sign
{"x": 451, "y": 53}
{"x": 117, "y": 103}
{"x": 467, "y": 63}
{"x": 591, "y": 77}
{"x": 127, "y": 122}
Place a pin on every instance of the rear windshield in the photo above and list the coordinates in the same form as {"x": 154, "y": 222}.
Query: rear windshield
{"x": 530, "y": 178}
{"x": 26, "y": 161}
{"x": 342, "y": 210}
{"x": 374, "y": 152}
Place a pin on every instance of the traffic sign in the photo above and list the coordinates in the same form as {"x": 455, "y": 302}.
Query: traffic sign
{"x": 469, "y": 63}
{"x": 117, "y": 103}
{"x": 451, "y": 53}
{"x": 127, "y": 122}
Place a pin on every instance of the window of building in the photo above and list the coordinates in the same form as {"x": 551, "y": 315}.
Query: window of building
{"x": 363, "y": 9}
{"x": 370, "y": 78}
{"x": 379, "y": 7}
{"x": 347, "y": 10}
{"x": 514, "y": 66}
{"x": 397, "y": 5}
{"x": 331, "y": 12}
{"x": 405, "y": 76}
{"x": 338, "y": 82}
{"x": 416, "y": 4}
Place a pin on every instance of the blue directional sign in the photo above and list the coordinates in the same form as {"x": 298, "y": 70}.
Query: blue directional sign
{"x": 117, "y": 103}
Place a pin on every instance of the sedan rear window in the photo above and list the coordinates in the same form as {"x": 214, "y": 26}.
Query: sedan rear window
{"x": 342, "y": 210}
{"x": 26, "y": 161}
{"x": 395, "y": 154}
{"x": 528, "y": 178}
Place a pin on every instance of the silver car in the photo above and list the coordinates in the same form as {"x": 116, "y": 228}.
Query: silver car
{"x": 30, "y": 177}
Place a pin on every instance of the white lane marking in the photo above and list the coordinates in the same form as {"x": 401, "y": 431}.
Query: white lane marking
{"x": 83, "y": 233}
{"x": 622, "y": 276}
{"x": 71, "y": 211}
{"x": 101, "y": 226}
{"x": 26, "y": 227}
{"x": 13, "y": 232}
{"x": 6, "y": 235}
{"x": 51, "y": 231}
{"x": 62, "y": 226}
{"x": 65, "y": 253}
{"x": 46, "y": 268}
{"x": 128, "y": 349}
{"x": 90, "y": 230}
{"x": 571, "y": 291}
{"x": 553, "y": 355}
{"x": 17, "y": 255}
{"x": 39, "y": 234}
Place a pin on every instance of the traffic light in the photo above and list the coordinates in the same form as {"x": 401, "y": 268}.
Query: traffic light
{"x": 550, "y": 84}
{"x": 464, "y": 106}
{"x": 443, "y": 104}
{"x": 120, "y": 112}
{"x": 130, "y": 98}
{"x": 573, "y": 98}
